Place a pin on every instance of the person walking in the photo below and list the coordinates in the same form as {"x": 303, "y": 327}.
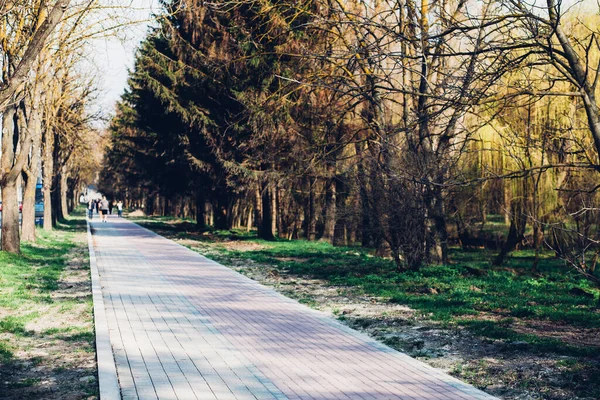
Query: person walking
{"x": 90, "y": 207}
{"x": 104, "y": 208}
{"x": 120, "y": 209}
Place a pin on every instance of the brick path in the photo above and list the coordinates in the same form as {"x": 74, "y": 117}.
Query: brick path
{"x": 185, "y": 327}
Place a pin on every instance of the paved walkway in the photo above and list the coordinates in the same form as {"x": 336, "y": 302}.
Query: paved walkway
{"x": 185, "y": 327}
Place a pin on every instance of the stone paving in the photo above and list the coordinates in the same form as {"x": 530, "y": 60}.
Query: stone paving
{"x": 184, "y": 327}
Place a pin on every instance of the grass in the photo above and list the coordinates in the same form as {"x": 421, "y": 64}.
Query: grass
{"x": 28, "y": 279}
{"x": 468, "y": 293}
{"x": 28, "y": 284}
{"x": 30, "y": 276}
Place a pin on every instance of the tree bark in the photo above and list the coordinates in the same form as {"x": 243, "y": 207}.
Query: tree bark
{"x": 273, "y": 197}
{"x": 200, "y": 209}
{"x": 515, "y": 233}
{"x": 249, "y": 222}
{"x": 30, "y": 177}
{"x": 48, "y": 177}
{"x": 340, "y": 237}
{"x": 31, "y": 171}
{"x": 437, "y": 214}
{"x": 311, "y": 225}
{"x": 330, "y": 206}
{"x": 220, "y": 214}
{"x": 11, "y": 170}
{"x": 11, "y": 241}
{"x": 64, "y": 188}
{"x": 263, "y": 213}
{"x": 28, "y": 213}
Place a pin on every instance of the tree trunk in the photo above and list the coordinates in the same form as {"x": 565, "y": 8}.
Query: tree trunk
{"x": 249, "y": 222}
{"x": 340, "y": 237}
{"x": 538, "y": 240}
{"x": 31, "y": 172}
{"x": 232, "y": 212}
{"x": 441, "y": 230}
{"x": 155, "y": 210}
{"x": 220, "y": 214}
{"x": 354, "y": 224}
{"x": 200, "y": 209}
{"x": 312, "y": 211}
{"x": 273, "y": 197}
{"x": 506, "y": 201}
{"x": 284, "y": 224}
{"x": 48, "y": 176}
{"x": 63, "y": 190}
{"x": 365, "y": 213}
{"x": 515, "y": 233}
{"x": 10, "y": 218}
{"x": 210, "y": 214}
{"x": 28, "y": 213}
{"x": 8, "y": 184}
{"x": 330, "y": 207}
{"x": 263, "y": 213}
{"x": 56, "y": 213}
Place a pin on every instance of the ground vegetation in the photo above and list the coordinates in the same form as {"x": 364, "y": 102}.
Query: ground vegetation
{"x": 47, "y": 342}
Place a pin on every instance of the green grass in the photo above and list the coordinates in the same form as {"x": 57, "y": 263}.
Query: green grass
{"x": 24, "y": 383}
{"x": 33, "y": 274}
{"x": 27, "y": 281}
{"x": 6, "y": 352}
{"x": 442, "y": 292}
{"x": 452, "y": 294}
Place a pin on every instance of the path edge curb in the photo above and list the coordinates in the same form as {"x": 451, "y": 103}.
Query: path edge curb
{"x": 108, "y": 381}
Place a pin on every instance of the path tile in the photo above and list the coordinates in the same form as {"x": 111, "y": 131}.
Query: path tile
{"x": 185, "y": 327}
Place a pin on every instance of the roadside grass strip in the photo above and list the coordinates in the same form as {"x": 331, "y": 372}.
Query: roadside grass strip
{"x": 46, "y": 331}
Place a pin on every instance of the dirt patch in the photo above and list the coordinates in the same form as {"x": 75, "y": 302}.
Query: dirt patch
{"x": 291, "y": 259}
{"x": 136, "y": 213}
{"x": 565, "y": 333}
{"x": 54, "y": 358}
{"x": 242, "y": 246}
{"x": 231, "y": 245}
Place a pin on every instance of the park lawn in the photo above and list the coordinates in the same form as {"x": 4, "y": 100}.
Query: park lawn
{"x": 468, "y": 293}
{"x": 46, "y": 325}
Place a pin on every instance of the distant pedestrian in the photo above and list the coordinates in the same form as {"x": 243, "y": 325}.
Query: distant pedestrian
{"x": 110, "y": 207}
{"x": 104, "y": 208}
{"x": 90, "y": 207}
{"x": 120, "y": 209}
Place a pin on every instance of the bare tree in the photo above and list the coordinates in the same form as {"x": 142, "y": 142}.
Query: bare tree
{"x": 571, "y": 56}
{"x": 19, "y": 55}
{"x": 17, "y": 64}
